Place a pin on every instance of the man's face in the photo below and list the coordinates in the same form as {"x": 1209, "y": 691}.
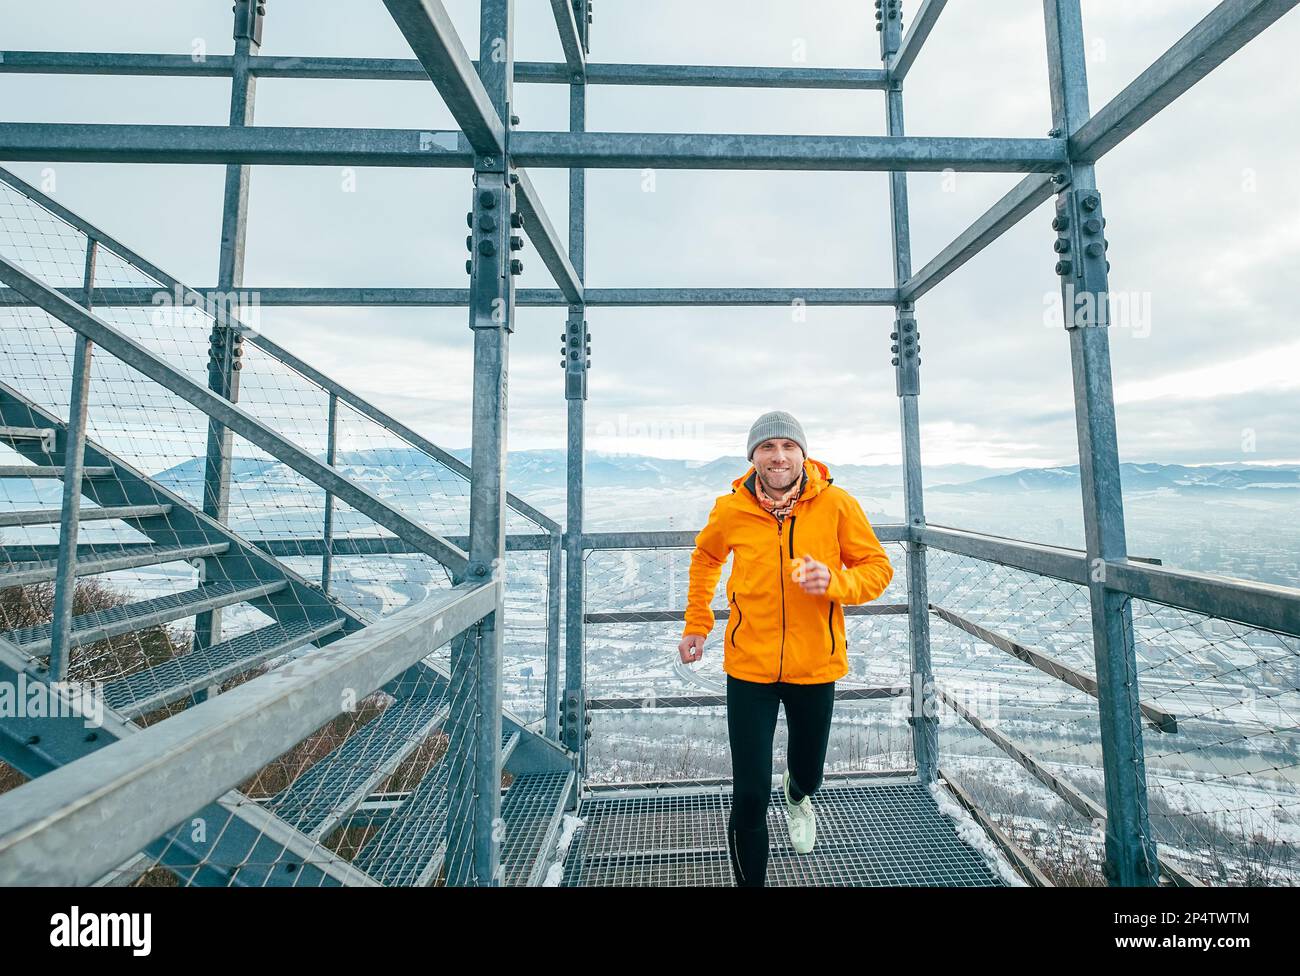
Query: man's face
{"x": 779, "y": 463}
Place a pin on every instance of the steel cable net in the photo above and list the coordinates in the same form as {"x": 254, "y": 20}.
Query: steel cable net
{"x": 170, "y": 605}
{"x": 1222, "y": 790}
{"x": 1052, "y": 723}
{"x": 642, "y": 729}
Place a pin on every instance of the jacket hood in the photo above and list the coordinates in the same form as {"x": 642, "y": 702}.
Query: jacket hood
{"x": 816, "y": 474}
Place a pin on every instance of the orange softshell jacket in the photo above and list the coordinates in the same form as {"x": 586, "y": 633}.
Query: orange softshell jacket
{"x": 775, "y": 631}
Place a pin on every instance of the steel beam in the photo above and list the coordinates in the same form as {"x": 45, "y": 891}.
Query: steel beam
{"x": 1130, "y": 845}
{"x": 410, "y": 69}
{"x": 368, "y": 297}
{"x": 542, "y": 233}
{"x": 1216, "y": 37}
{"x": 319, "y": 146}
{"x": 427, "y": 27}
{"x": 923, "y": 715}
{"x": 636, "y": 150}
{"x": 900, "y": 63}
{"x": 225, "y": 343}
{"x": 1265, "y": 605}
{"x": 575, "y": 56}
{"x": 1022, "y": 199}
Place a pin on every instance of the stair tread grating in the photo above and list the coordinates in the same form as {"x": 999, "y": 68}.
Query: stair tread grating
{"x": 29, "y": 637}
{"x": 529, "y": 812}
{"x": 35, "y": 571}
{"x": 188, "y": 670}
{"x": 308, "y": 800}
{"x": 411, "y": 840}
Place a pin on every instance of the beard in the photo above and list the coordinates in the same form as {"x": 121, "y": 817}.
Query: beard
{"x": 778, "y": 489}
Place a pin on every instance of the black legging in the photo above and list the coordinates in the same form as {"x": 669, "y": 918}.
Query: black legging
{"x": 751, "y": 724}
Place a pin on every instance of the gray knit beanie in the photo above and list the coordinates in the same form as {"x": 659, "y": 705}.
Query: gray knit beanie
{"x": 775, "y": 423}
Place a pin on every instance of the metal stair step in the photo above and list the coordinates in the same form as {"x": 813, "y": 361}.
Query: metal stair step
{"x": 48, "y": 471}
{"x": 533, "y": 809}
{"x": 408, "y": 849}
{"x": 140, "y": 693}
{"x": 318, "y": 800}
{"x": 48, "y": 516}
{"x": 101, "y": 624}
{"x": 27, "y": 573}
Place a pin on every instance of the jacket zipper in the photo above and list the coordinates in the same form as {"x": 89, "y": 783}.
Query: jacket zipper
{"x": 830, "y": 625}
{"x": 780, "y": 568}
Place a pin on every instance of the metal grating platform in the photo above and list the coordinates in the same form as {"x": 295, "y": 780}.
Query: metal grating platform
{"x": 873, "y": 835}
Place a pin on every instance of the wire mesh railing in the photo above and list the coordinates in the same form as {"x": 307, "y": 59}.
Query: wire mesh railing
{"x": 1019, "y": 727}
{"x": 291, "y": 563}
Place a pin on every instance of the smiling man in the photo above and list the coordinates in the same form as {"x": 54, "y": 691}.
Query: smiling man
{"x": 804, "y": 549}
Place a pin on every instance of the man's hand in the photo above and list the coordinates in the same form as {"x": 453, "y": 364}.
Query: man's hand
{"x": 813, "y": 576}
{"x": 691, "y": 648}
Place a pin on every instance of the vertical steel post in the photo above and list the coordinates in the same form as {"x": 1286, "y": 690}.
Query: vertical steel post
{"x": 226, "y": 345}
{"x": 554, "y": 584}
{"x": 907, "y": 373}
{"x": 74, "y": 457}
{"x": 575, "y": 364}
{"x": 474, "y": 831}
{"x": 1082, "y": 266}
{"x": 331, "y": 457}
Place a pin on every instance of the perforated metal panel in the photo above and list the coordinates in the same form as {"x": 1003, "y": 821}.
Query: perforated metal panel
{"x": 876, "y": 834}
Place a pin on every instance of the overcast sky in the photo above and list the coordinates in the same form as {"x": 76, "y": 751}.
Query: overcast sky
{"x": 1203, "y": 206}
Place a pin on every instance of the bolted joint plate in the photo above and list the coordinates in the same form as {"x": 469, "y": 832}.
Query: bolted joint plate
{"x": 575, "y": 355}
{"x": 905, "y": 345}
{"x": 1081, "y": 262}
{"x": 491, "y": 283}
{"x": 249, "y": 15}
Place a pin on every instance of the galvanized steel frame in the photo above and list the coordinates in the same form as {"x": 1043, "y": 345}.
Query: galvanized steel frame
{"x": 1060, "y": 164}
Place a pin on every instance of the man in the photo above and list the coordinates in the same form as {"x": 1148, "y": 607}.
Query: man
{"x": 803, "y": 550}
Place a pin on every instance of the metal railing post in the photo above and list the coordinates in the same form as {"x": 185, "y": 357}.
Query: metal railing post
{"x": 226, "y": 344}
{"x": 1082, "y": 267}
{"x": 331, "y": 457}
{"x": 923, "y": 715}
{"x": 74, "y": 457}
{"x": 575, "y": 366}
{"x": 475, "y": 830}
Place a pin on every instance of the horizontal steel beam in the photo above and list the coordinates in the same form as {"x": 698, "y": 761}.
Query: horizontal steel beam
{"x": 545, "y": 239}
{"x": 147, "y": 783}
{"x": 427, "y": 27}
{"x": 382, "y": 545}
{"x": 660, "y": 616}
{"x": 409, "y": 69}
{"x": 219, "y": 144}
{"x": 1022, "y": 199}
{"x": 229, "y": 415}
{"x": 1070, "y": 565}
{"x": 708, "y": 700}
{"x": 926, "y": 17}
{"x": 1263, "y": 605}
{"x": 1220, "y": 34}
{"x": 1161, "y": 720}
{"x": 319, "y": 146}
{"x": 367, "y": 297}
{"x": 635, "y": 150}
{"x": 685, "y": 539}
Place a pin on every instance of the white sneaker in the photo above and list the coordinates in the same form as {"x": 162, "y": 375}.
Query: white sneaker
{"x": 801, "y": 818}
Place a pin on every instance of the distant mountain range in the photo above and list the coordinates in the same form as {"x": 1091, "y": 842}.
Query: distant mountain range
{"x": 546, "y": 469}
